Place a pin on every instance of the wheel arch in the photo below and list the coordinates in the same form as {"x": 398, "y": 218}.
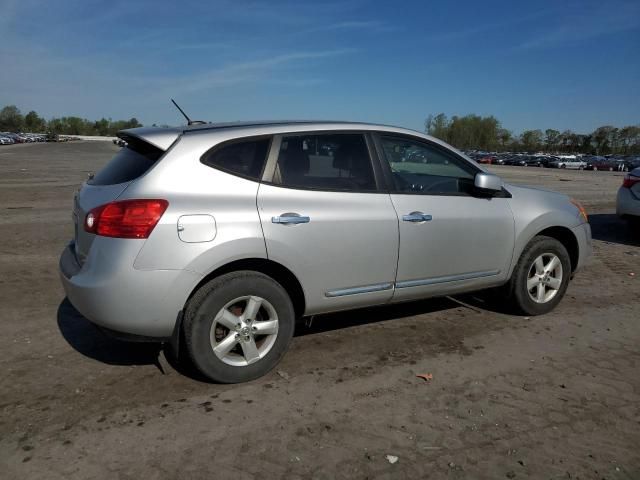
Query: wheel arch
{"x": 275, "y": 270}
{"x": 567, "y": 238}
{"x": 563, "y": 234}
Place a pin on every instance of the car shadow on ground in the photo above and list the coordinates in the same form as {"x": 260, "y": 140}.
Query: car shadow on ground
{"x": 365, "y": 316}
{"x": 608, "y": 227}
{"x": 87, "y": 339}
{"x": 90, "y": 341}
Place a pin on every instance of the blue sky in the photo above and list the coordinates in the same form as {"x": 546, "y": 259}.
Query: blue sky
{"x": 545, "y": 64}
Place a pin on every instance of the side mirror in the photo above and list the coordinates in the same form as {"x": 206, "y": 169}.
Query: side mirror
{"x": 488, "y": 182}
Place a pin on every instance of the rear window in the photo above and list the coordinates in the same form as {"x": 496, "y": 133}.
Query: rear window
{"x": 245, "y": 158}
{"x": 129, "y": 163}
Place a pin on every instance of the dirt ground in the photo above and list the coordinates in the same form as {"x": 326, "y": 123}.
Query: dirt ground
{"x": 556, "y": 396}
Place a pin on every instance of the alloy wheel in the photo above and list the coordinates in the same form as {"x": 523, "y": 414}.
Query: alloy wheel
{"x": 544, "y": 278}
{"x": 244, "y": 331}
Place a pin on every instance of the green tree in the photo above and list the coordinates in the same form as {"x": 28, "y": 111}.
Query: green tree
{"x": 504, "y": 137}
{"x": 437, "y": 126}
{"x": 531, "y": 140}
{"x": 602, "y": 139}
{"x": 551, "y": 138}
{"x": 34, "y": 123}
{"x": 629, "y": 139}
{"x": 101, "y": 127}
{"x": 11, "y": 119}
{"x": 55, "y": 125}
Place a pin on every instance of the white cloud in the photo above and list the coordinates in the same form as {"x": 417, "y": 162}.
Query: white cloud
{"x": 587, "y": 22}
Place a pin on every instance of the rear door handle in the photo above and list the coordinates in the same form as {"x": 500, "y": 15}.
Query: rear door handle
{"x": 290, "y": 218}
{"x": 417, "y": 217}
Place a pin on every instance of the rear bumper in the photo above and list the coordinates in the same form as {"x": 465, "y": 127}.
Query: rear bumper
{"x": 109, "y": 292}
{"x": 585, "y": 248}
{"x": 627, "y": 203}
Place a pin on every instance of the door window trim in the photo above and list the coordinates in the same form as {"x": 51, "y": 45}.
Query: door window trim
{"x": 272, "y": 161}
{"x": 386, "y": 167}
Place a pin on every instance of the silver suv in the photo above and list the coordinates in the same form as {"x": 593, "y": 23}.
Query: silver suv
{"x": 220, "y": 236}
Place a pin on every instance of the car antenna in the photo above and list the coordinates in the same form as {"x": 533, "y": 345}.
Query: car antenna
{"x": 189, "y": 121}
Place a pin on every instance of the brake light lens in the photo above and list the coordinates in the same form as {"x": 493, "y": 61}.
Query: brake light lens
{"x": 126, "y": 218}
{"x": 630, "y": 180}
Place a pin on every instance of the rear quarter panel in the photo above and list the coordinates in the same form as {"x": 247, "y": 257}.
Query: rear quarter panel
{"x": 193, "y": 188}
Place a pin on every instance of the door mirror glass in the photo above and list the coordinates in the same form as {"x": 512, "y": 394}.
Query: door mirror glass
{"x": 488, "y": 182}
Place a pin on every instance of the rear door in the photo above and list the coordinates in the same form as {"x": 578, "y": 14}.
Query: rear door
{"x": 129, "y": 163}
{"x": 450, "y": 239}
{"x": 325, "y": 218}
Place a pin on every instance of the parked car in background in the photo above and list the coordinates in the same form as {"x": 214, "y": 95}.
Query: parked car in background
{"x": 600, "y": 163}
{"x": 570, "y": 162}
{"x": 516, "y": 160}
{"x": 219, "y": 236}
{"x": 539, "y": 161}
{"x": 6, "y": 140}
{"x": 628, "y": 199}
{"x": 14, "y": 136}
{"x": 626, "y": 164}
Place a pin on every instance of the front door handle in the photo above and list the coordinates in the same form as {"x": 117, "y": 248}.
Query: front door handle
{"x": 417, "y": 217}
{"x": 290, "y": 218}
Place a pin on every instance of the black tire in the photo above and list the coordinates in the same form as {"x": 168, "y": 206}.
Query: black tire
{"x": 210, "y": 299}
{"x": 516, "y": 289}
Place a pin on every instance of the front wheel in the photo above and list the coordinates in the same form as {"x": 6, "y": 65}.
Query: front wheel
{"x": 540, "y": 278}
{"x": 238, "y": 326}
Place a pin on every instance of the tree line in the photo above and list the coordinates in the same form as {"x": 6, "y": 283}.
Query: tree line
{"x": 12, "y": 120}
{"x": 486, "y": 133}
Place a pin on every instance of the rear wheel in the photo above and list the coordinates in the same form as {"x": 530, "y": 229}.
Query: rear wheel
{"x": 238, "y": 326}
{"x": 540, "y": 279}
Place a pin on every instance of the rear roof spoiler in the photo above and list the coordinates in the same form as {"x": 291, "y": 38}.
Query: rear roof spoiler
{"x": 159, "y": 137}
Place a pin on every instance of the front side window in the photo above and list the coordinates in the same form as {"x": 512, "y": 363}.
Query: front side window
{"x": 241, "y": 157}
{"x": 325, "y": 162}
{"x": 418, "y": 167}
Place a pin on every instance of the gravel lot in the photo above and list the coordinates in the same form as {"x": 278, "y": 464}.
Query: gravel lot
{"x": 511, "y": 397}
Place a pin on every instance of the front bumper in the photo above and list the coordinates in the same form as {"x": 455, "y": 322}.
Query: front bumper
{"x": 109, "y": 292}
{"x": 627, "y": 203}
{"x": 585, "y": 248}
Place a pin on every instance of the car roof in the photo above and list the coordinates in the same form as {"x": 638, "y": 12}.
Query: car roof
{"x": 163, "y": 137}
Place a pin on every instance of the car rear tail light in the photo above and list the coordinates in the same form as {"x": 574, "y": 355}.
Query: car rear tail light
{"x": 126, "y": 218}
{"x": 630, "y": 180}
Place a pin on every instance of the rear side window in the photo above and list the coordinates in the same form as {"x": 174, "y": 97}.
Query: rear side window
{"x": 240, "y": 157}
{"x": 129, "y": 163}
{"x": 325, "y": 162}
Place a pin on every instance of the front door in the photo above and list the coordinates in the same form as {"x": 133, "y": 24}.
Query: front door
{"x": 450, "y": 238}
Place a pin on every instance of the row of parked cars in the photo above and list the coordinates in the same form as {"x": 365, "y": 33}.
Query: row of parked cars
{"x": 577, "y": 162}
{"x": 9, "y": 138}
